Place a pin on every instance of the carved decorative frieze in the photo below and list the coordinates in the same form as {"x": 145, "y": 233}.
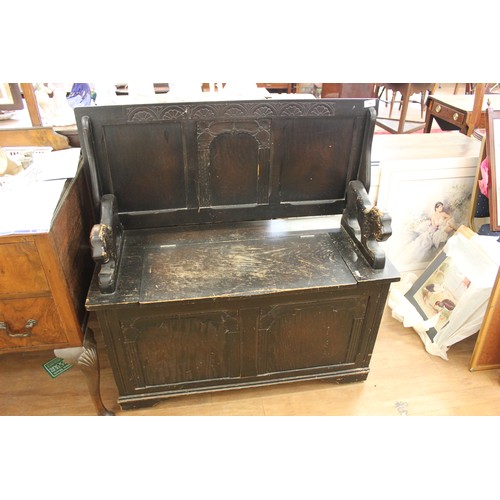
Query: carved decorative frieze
{"x": 230, "y": 110}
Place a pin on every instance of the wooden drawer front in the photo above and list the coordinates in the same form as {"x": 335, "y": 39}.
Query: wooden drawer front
{"x": 21, "y": 271}
{"x": 451, "y": 115}
{"x": 15, "y": 315}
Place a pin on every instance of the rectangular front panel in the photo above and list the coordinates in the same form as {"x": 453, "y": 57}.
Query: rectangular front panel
{"x": 322, "y": 333}
{"x": 21, "y": 271}
{"x": 29, "y": 322}
{"x": 170, "y": 349}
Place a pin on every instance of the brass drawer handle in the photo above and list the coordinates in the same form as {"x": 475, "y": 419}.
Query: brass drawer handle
{"x": 438, "y": 108}
{"x": 455, "y": 116}
{"x": 27, "y": 328}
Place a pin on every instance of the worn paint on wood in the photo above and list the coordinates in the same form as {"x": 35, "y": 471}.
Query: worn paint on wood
{"x": 252, "y": 267}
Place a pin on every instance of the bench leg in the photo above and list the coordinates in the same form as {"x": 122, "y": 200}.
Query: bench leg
{"x": 86, "y": 359}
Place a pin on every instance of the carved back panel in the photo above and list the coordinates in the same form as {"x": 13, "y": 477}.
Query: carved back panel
{"x": 185, "y": 163}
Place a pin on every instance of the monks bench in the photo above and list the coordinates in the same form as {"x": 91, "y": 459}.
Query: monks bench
{"x": 237, "y": 246}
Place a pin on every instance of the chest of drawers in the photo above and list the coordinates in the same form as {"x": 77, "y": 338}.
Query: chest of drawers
{"x": 44, "y": 278}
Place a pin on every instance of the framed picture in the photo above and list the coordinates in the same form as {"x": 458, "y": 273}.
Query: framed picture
{"x": 10, "y": 97}
{"x": 438, "y": 291}
{"x": 452, "y": 293}
{"x": 493, "y": 152}
{"x": 427, "y": 200}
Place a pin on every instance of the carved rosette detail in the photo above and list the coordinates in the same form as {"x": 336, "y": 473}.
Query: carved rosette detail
{"x": 322, "y": 110}
{"x": 203, "y": 113}
{"x": 292, "y": 110}
{"x": 141, "y": 115}
{"x": 235, "y": 112}
{"x": 263, "y": 111}
{"x": 154, "y": 113}
{"x": 173, "y": 113}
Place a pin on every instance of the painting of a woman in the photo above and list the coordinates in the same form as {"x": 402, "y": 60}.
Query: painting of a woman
{"x": 430, "y": 234}
{"x": 428, "y": 202}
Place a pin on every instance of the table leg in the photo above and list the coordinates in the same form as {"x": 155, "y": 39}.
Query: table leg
{"x": 86, "y": 359}
{"x": 428, "y": 119}
{"x": 404, "y": 110}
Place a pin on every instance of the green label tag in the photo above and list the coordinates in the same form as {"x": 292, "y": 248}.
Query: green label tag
{"x": 56, "y": 366}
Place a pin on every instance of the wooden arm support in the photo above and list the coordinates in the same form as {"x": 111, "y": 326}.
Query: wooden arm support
{"x": 105, "y": 241}
{"x": 366, "y": 224}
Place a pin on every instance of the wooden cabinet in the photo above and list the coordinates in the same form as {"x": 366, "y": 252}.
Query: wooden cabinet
{"x": 44, "y": 278}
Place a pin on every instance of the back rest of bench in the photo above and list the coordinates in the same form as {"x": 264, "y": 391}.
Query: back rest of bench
{"x": 190, "y": 163}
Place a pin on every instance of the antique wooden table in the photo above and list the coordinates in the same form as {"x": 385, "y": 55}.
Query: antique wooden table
{"x": 455, "y": 112}
{"x": 401, "y": 125}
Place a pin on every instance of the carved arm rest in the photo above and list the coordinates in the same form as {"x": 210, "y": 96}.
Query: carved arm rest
{"x": 366, "y": 224}
{"x": 105, "y": 242}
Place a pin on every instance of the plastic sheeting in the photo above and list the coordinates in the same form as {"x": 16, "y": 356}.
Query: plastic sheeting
{"x": 469, "y": 255}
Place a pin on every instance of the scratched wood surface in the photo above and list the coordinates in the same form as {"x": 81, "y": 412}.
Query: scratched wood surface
{"x": 248, "y": 267}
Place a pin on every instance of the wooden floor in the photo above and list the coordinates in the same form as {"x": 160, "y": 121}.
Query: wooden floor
{"x": 404, "y": 380}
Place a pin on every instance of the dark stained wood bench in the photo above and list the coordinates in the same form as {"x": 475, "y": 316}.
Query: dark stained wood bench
{"x": 237, "y": 245}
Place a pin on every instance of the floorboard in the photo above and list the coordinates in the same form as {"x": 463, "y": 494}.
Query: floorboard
{"x": 403, "y": 376}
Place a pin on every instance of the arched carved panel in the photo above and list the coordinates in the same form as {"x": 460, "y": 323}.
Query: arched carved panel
{"x": 233, "y": 162}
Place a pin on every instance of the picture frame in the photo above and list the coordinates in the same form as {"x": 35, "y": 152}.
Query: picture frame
{"x": 10, "y": 97}
{"x": 433, "y": 292}
{"x": 452, "y": 294}
{"x": 493, "y": 152}
{"x": 410, "y": 191}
